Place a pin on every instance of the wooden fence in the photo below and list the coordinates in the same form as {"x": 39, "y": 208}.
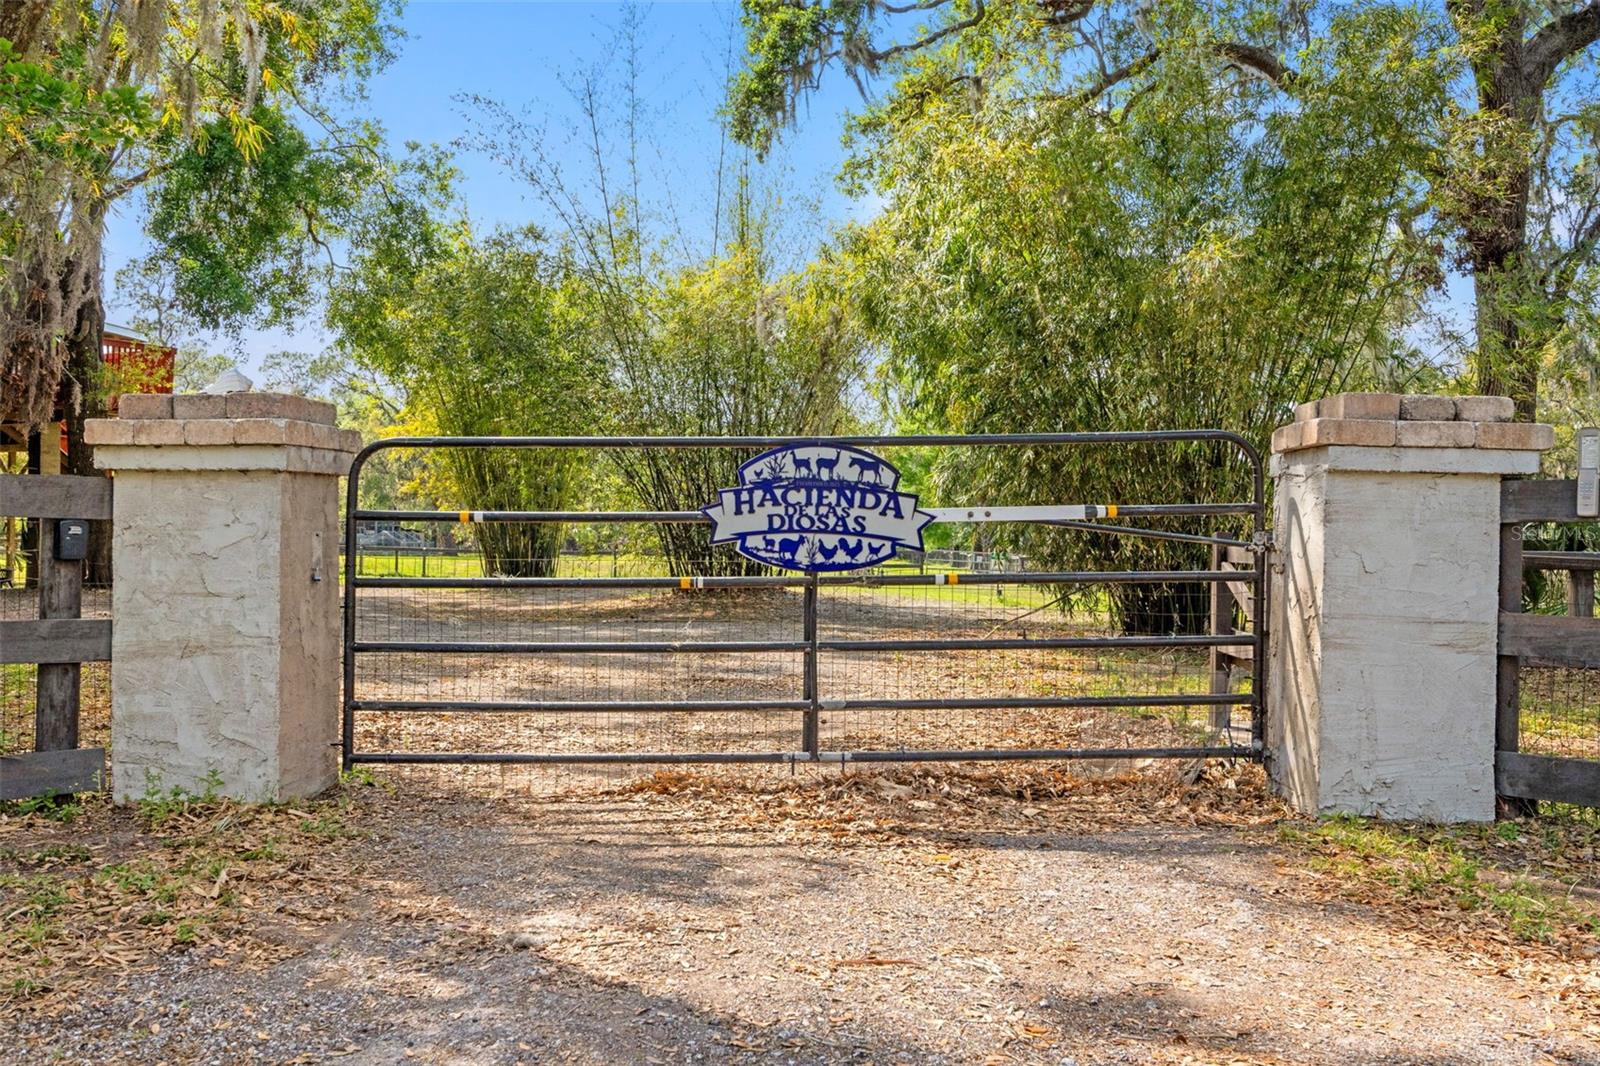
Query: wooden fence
{"x": 57, "y": 642}
{"x": 1528, "y": 641}
{"x": 1232, "y": 603}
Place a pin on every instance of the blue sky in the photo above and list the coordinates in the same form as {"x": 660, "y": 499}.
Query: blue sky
{"x": 525, "y": 54}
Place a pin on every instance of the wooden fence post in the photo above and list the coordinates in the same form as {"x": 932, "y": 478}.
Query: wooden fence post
{"x": 55, "y": 714}
{"x": 1506, "y": 727}
{"x": 1580, "y": 593}
{"x": 1222, "y": 605}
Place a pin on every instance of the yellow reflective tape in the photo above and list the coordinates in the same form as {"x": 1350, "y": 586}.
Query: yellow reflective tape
{"x": 684, "y": 582}
{"x": 1111, "y": 510}
{"x": 955, "y": 579}
{"x": 466, "y": 517}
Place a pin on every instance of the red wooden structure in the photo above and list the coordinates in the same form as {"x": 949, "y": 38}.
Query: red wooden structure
{"x": 131, "y": 365}
{"x": 135, "y": 365}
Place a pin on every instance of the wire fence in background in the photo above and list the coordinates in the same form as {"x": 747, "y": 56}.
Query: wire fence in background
{"x": 1560, "y": 711}
{"x": 1559, "y": 705}
{"x": 19, "y": 601}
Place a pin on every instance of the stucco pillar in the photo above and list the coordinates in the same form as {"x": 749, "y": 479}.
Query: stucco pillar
{"x": 1385, "y": 600}
{"x": 225, "y": 641}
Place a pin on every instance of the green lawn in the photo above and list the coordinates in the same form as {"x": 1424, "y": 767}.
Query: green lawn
{"x": 379, "y": 562}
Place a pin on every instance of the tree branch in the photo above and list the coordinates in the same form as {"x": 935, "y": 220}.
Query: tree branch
{"x": 1066, "y": 12}
{"x": 1257, "y": 60}
{"x": 1566, "y": 266}
{"x": 1110, "y": 80}
{"x": 1558, "y": 39}
{"x": 978, "y": 11}
{"x": 916, "y": 5}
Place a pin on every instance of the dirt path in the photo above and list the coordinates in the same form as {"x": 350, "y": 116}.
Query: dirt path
{"x": 875, "y": 921}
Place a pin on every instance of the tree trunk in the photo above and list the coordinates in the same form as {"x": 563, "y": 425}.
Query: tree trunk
{"x": 1504, "y": 364}
{"x": 30, "y": 526}
{"x": 1509, "y": 100}
{"x": 84, "y": 370}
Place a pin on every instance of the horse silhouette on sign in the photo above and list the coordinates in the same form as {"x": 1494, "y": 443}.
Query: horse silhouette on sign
{"x": 863, "y": 467}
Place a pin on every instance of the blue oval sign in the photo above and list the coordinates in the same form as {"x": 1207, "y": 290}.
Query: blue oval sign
{"x": 817, "y": 507}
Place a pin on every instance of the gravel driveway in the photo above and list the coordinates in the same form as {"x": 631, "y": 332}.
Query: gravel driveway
{"x": 824, "y": 920}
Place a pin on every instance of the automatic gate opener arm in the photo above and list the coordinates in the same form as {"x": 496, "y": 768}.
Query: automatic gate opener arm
{"x": 1064, "y": 513}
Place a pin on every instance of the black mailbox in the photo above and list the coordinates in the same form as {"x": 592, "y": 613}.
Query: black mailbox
{"x": 72, "y": 539}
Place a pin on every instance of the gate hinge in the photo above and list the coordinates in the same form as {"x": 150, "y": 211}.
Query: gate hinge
{"x": 1261, "y": 541}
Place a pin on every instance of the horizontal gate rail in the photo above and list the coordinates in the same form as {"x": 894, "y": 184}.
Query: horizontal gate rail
{"x": 1561, "y": 560}
{"x": 55, "y": 640}
{"x": 812, "y": 702}
{"x": 579, "y": 647}
{"x": 578, "y": 706}
{"x": 1108, "y": 529}
{"x": 1547, "y": 777}
{"x": 882, "y": 440}
{"x": 1136, "y": 510}
{"x": 1201, "y": 699}
{"x": 597, "y": 647}
{"x": 1235, "y": 751}
{"x": 1551, "y": 639}
{"x": 1084, "y": 577}
{"x": 1206, "y": 699}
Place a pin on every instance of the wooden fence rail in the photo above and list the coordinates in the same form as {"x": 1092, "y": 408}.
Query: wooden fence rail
{"x": 59, "y": 641}
{"x": 1572, "y": 642}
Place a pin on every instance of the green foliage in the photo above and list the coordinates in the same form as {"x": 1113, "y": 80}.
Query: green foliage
{"x": 486, "y": 340}
{"x": 204, "y": 105}
{"x": 367, "y": 402}
{"x": 246, "y": 230}
{"x": 725, "y": 344}
{"x": 57, "y": 808}
{"x": 723, "y": 348}
{"x": 51, "y": 113}
{"x": 195, "y": 368}
{"x": 159, "y": 806}
{"x": 1178, "y": 263}
{"x": 788, "y": 43}
{"x": 1493, "y": 106}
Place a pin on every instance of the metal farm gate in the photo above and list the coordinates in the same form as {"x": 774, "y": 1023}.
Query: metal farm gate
{"x": 606, "y": 657}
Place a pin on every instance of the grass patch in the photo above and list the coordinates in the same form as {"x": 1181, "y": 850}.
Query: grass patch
{"x": 380, "y": 562}
{"x": 178, "y": 871}
{"x": 1532, "y": 881}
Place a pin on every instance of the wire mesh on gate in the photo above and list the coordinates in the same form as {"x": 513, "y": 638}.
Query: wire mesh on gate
{"x": 452, "y": 664}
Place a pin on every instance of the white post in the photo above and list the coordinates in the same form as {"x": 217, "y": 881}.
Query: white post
{"x": 1385, "y": 602}
{"x": 226, "y": 638}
